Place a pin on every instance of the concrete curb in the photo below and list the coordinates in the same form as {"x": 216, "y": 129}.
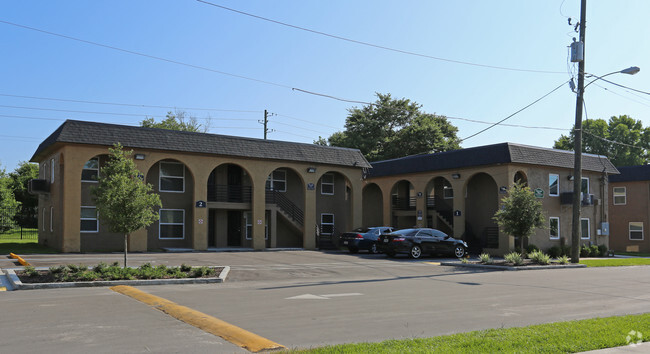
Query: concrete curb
{"x": 499, "y": 267}
{"x": 19, "y": 285}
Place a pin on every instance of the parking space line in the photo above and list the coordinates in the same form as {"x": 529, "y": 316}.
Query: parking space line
{"x": 238, "y": 336}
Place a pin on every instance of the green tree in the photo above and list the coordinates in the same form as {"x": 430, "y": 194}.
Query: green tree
{"x": 599, "y": 137}
{"x": 124, "y": 201}
{"x": 177, "y": 120}
{"x": 19, "y": 179}
{"x": 521, "y": 213}
{"x": 392, "y": 128}
{"x": 8, "y": 203}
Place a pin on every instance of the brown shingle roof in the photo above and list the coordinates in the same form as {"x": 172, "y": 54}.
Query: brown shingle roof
{"x": 81, "y": 132}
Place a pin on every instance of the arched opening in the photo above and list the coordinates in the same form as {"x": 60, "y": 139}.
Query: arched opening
{"x": 229, "y": 199}
{"x": 333, "y": 208}
{"x": 174, "y": 182}
{"x": 403, "y": 205}
{"x": 520, "y": 177}
{"x": 440, "y": 205}
{"x": 373, "y": 202}
{"x": 285, "y": 200}
{"x": 482, "y": 201}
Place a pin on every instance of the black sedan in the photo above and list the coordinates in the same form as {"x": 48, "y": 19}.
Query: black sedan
{"x": 363, "y": 238}
{"x": 416, "y": 242}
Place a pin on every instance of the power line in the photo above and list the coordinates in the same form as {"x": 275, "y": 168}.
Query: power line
{"x": 305, "y": 120}
{"x": 376, "y": 45}
{"x": 144, "y": 55}
{"x": 623, "y": 86}
{"x": 510, "y": 116}
{"x": 126, "y": 104}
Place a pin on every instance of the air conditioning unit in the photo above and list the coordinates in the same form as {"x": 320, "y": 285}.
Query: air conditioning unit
{"x": 566, "y": 198}
{"x": 587, "y": 199}
{"x": 38, "y": 186}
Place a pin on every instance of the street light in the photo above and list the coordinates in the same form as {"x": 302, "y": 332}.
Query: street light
{"x": 577, "y": 170}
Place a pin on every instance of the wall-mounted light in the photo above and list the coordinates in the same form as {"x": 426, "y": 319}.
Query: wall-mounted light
{"x": 455, "y": 175}
{"x": 139, "y": 156}
{"x": 311, "y": 169}
{"x": 570, "y": 178}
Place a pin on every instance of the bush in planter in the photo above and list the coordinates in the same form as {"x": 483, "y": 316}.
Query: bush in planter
{"x": 485, "y": 258}
{"x": 540, "y": 257}
{"x": 562, "y": 260}
{"x": 603, "y": 250}
{"x": 595, "y": 251}
{"x": 585, "y": 251}
{"x": 555, "y": 251}
{"x": 514, "y": 257}
{"x": 531, "y": 248}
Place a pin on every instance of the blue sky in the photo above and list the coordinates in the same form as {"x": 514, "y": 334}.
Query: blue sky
{"x": 530, "y": 35}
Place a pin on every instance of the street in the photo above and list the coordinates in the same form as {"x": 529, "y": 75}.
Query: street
{"x": 303, "y": 299}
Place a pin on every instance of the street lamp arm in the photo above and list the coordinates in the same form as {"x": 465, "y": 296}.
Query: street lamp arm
{"x": 630, "y": 71}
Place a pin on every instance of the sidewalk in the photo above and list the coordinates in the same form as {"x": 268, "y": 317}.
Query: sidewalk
{"x": 636, "y": 348}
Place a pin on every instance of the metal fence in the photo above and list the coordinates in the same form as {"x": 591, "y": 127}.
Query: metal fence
{"x": 18, "y": 224}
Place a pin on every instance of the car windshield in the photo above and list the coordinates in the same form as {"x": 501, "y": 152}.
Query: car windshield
{"x": 407, "y": 232}
{"x": 362, "y": 230}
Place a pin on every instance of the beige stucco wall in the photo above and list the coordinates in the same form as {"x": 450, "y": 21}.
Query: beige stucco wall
{"x": 66, "y": 194}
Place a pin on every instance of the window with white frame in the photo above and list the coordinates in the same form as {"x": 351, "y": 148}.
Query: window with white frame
{"x": 585, "y": 229}
{"x": 44, "y": 219}
{"x": 51, "y": 219}
{"x": 90, "y": 171}
{"x": 89, "y": 220}
{"x": 327, "y": 184}
{"x": 172, "y": 177}
{"x": 327, "y": 224}
{"x": 171, "y": 224}
{"x": 636, "y": 231}
{"x": 620, "y": 197}
{"x": 554, "y": 227}
{"x": 52, "y": 171}
{"x": 584, "y": 188}
{"x": 248, "y": 219}
{"x": 553, "y": 185}
{"x": 277, "y": 181}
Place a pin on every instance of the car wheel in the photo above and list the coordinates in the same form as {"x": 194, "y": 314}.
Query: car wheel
{"x": 373, "y": 249}
{"x": 459, "y": 251}
{"x": 353, "y": 250}
{"x": 416, "y": 252}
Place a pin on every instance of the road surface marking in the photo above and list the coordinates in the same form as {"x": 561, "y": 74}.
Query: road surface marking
{"x": 320, "y": 297}
{"x": 238, "y": 336}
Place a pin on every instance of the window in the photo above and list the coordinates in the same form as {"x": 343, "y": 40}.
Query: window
{"x": 553, "y": 185}
{"x": 51, "y": 219}
{"x": 620, "y": 196}
{"x": 327, "y": 224}
{"x": 172, "y": 224}
{"x": 585, "y": 185}
{"x": 327, "y": 184}
{"x": 90, "y": 172}
{"x": 89, "y": 221}
{"x": 554, "y": 227}
{"x": 43, "y": 219}
{"x": 277, "y": 181}
{"x": 172, "y": 177}
{"x": 636, "y": 231}
{"x": 585, "y": 230}
{"x": 447, "y": 191}
{"x": 248, "y": 217}
{"x": 52, "y": 171}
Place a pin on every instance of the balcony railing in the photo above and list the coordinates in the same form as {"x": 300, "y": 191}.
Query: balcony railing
{"x": 403, "y": 203}
{"x": 229, "y": 194}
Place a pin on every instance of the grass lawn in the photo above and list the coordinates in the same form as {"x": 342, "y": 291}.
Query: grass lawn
{"x": 633, "y": 254}
{"x": 615, "y": 262}
{"x": 21, "y": 247}
{"x": 560, "y": 337}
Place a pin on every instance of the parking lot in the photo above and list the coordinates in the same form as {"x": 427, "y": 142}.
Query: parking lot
{"x": 308, "y": 298}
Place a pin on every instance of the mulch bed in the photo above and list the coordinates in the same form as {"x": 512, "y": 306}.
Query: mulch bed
{"x": 44, "y": 276}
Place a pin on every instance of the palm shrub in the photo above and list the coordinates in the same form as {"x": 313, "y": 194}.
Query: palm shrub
{"x": 485, "y": 258}
{"x": 540, "y": 257}
{"x": 562, "y": 259}
{"x": 514, "y": 257}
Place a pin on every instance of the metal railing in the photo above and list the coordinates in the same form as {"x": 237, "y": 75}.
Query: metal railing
{"x": 18, "y": 223}
{"x": 229, "y": 194}
{"x": 286, "y": 205}
{"x": 403, "y": 203}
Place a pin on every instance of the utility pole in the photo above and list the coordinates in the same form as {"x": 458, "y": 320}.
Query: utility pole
{"x": 265, "y": 122}
{"x": 577, "y": 170}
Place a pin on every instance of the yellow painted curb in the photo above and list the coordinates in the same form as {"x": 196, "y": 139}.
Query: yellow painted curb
{"x": 19, "y": 259}
{"x": 2, "y": 288}
{"x": 225, "y": 330}
{"x": 433, "y": 263}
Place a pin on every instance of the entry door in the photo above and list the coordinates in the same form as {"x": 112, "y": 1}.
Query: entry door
{"x": 234, "y": 228}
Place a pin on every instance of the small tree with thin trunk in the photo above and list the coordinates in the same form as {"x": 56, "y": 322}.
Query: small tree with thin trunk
{"x": 521, "y": 213}
{"x": 124, "y": 201}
